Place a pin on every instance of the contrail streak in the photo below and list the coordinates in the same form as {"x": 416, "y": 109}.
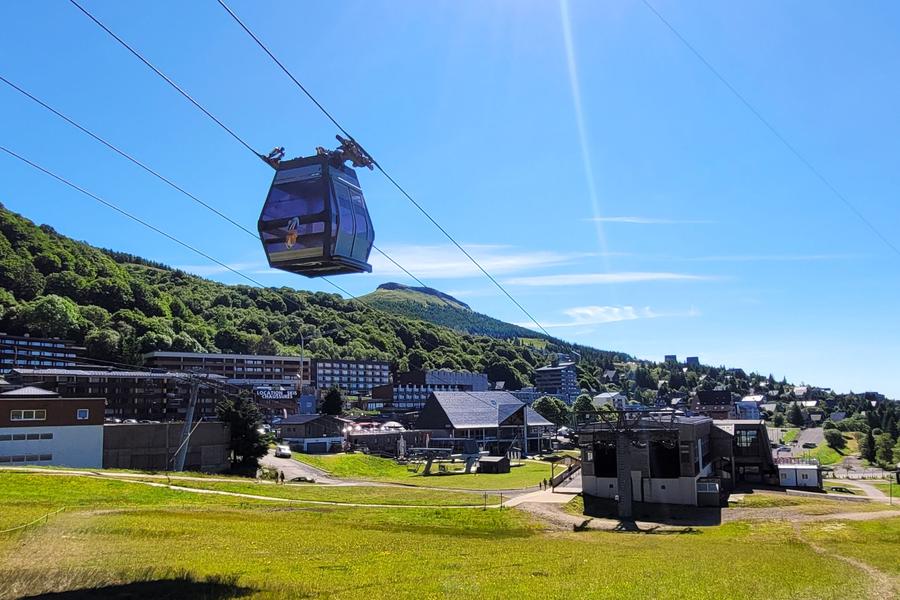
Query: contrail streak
{"x": 582, "y": 129}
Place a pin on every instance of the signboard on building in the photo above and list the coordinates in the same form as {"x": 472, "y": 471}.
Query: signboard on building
{"x": 275, "y": 395}
{"x": 306, "y": 404}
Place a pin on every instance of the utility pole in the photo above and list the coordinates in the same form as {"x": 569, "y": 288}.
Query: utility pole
{"x": 188, "y": 423}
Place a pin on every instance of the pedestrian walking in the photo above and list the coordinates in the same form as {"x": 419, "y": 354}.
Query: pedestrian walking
{"x": 281, "y": 477}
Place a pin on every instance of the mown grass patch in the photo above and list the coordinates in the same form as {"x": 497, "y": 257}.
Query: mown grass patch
{"x": 875, "y": 542}
{"x": 804, "y": 504}
{"x": 790, "y": 435}
{"x": 575, "y": 506}
{"x": 373, "y": 468}
{"x": 49, "y": 492}
{"x": 349, "y": 494}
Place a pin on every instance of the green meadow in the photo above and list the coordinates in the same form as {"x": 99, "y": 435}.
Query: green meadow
{"x": 144, "y": 540}
{"x": 364, "y": 467}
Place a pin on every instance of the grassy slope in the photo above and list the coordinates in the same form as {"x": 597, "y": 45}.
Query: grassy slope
{"x": 416, "y": 305}
{"x": 790, "y": 435}
{"x": 350, "y": 553}
{"x": 352, "y": 494}
{"x": 805, "y": 505}
{"x": 373, "y": 468}
{"x": 874, "y": 542}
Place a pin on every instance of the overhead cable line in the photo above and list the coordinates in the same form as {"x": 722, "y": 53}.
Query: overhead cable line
{"x": 165, "y": 179}
{"x": 206, "y": 112}
{"x": 250, "y": 148}
{"x": 376, "y": 311}
{"x": 127, "y": 214}
{"x": 124, "y": 154}
{"x": 400, "y": 188}
{"x": 163, "y": 75}
{"x": 768, "y": 125}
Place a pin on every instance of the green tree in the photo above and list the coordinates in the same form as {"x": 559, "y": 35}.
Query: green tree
{"x": 583, "y": 404}
{"x": 51, "y": 316}
{"x": 552, "y": 409}
{"x": 20, "y": 277}
{"x": 778, "y": 420}
{"x": 884, "y": 451}
{"x": 795, "y": 415}
{"x": 105, "y": 344}
{"x": 333, "y": 403}
{"x": 243, "y": 418}
{"x": 835, "y": 439}
{"x": 867, "y": 446}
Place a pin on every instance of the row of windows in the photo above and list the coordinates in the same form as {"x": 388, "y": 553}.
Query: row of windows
{"x": 18, "y": 352}
{"x": 35, "y": 363}
{"x": 39, "y": 414}
{"x": 16, "y": 437}
{"x": 26, "y": 458}
{"x": 354, "y": 366}
{"x": 9, "y": 342}
{"x": 28, "y": 415}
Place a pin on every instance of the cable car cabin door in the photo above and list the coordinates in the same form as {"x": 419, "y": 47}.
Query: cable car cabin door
{"x": 294, "y": 221}
{"x": 354, "y": 236}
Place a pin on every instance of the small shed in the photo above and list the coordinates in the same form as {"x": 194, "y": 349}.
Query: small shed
{"x": 493, "y": 464}
{"x": 800, "y": 475}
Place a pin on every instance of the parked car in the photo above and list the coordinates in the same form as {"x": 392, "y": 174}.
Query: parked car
{"x": 809, "y": 445}
{"x": 282, "y": 452}
{"x": 783, "y": 449}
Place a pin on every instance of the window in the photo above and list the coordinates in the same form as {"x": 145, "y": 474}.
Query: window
{"x": 5, "y": 437}
{"x": 28, "y": 415}
{"x": 804, "y": 476}
{"x": 46, "y": 436}
{"x": 82, "y": 414}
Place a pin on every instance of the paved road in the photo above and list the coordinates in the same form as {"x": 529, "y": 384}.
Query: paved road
{"x": 294, "y": 468}
{"x": 813, "y": 435}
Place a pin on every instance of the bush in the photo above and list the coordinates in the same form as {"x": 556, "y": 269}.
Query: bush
{"x": 834, "y": 439}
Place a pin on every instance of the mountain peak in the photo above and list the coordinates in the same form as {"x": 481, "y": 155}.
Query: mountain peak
{"x": 392, "y": 286}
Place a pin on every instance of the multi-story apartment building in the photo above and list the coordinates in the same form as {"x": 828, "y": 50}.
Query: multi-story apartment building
{"x": 36, "y": 352}
{"x": 558, "y": 379}
{"x": 356, "y": 377}
{"x": 140, "y": 395}
{"x": 411, "y": 390}
{"x": 238, "y": 369}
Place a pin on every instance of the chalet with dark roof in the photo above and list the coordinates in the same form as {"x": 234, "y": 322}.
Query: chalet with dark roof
{"x": 497, "y": 421}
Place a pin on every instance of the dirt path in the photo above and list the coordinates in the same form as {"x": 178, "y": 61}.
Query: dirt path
{"x": 870, "y": 490}
{"x": 882, "y": 586}
{"x": 258, "y": 497}
{"x": 786, "y": 514}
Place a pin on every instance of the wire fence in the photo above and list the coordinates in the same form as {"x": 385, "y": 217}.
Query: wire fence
{"x": 41, "y": 519}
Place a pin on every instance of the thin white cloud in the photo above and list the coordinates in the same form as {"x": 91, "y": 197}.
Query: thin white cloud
{"x": 649, "y": 221}
{"x": 603, "y": 278}
{"x": 447, "y": 262}
{"x": 773, "y": 257}
{"x": 584, "y": 316}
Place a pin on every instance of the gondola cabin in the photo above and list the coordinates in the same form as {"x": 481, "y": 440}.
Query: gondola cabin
{"x": 314, "y": 221}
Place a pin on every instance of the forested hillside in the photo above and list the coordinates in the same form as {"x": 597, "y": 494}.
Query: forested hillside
{"x": 121, "y": 306}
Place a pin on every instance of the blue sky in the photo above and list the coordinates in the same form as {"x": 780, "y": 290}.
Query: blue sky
{"x": 593, "y": 164}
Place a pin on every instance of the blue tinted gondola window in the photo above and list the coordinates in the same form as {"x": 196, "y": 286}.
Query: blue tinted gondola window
{"x": 344, "y": 243}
